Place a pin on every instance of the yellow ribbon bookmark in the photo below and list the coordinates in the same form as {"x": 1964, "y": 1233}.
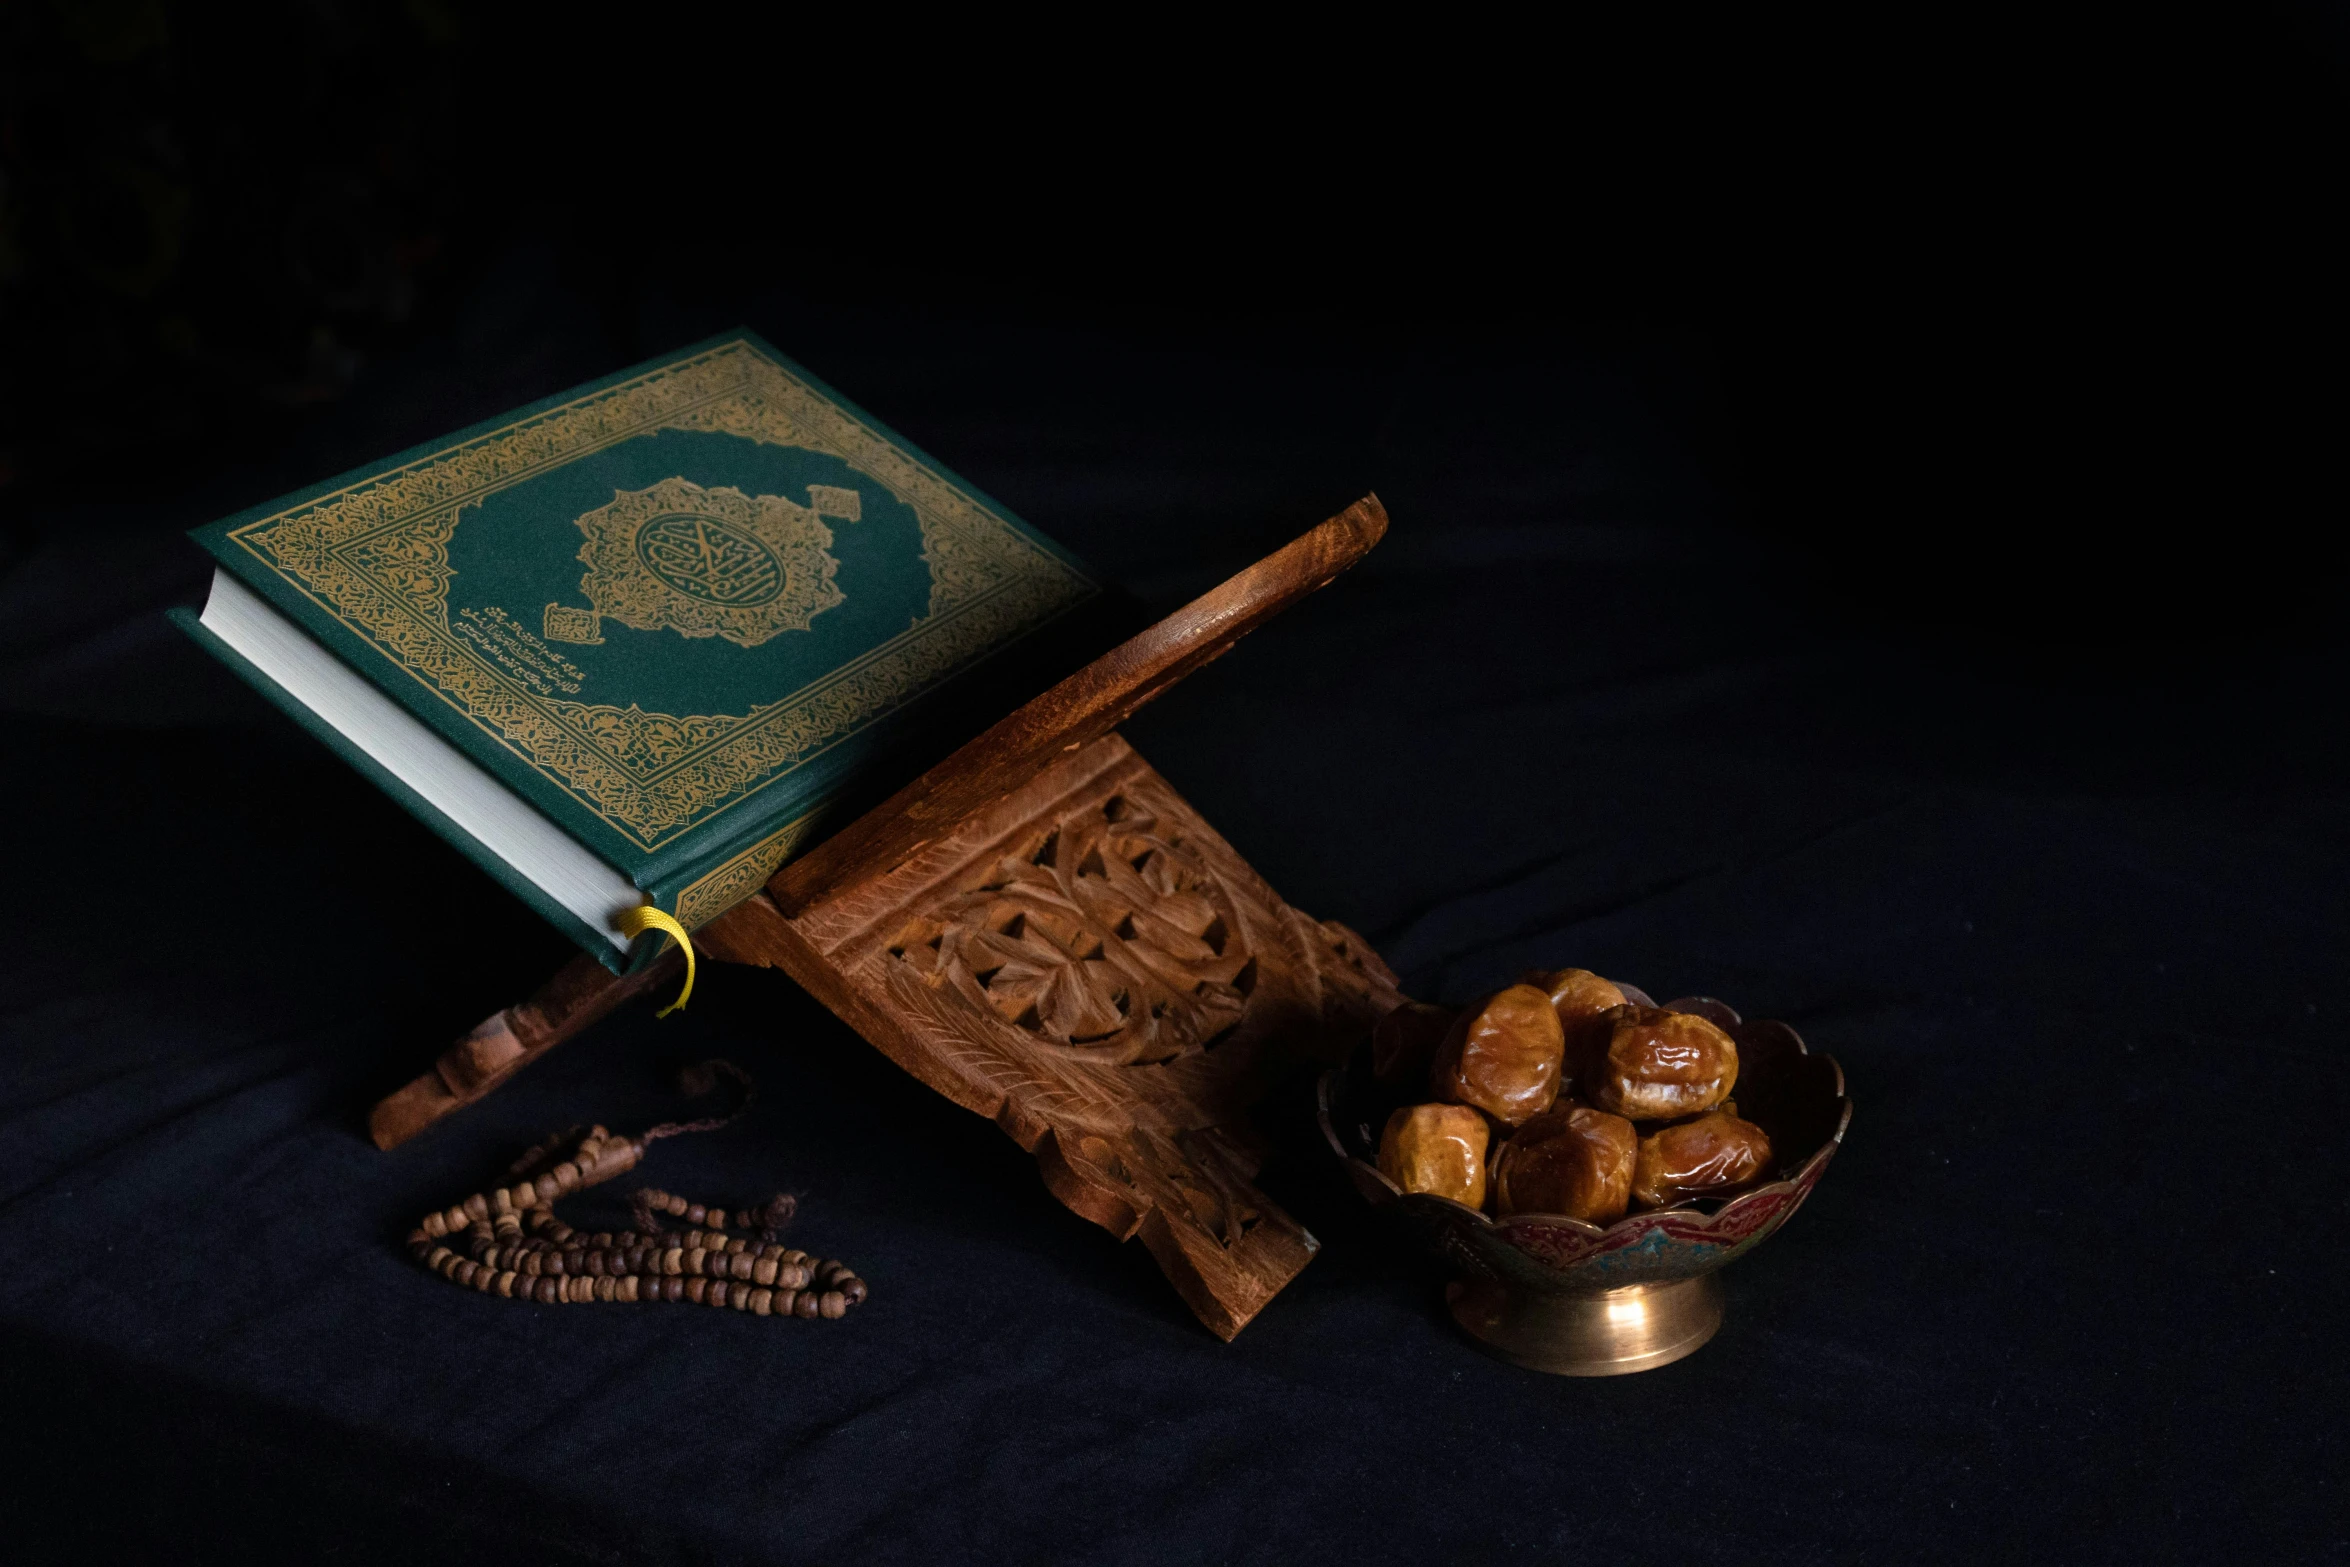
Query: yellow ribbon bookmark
{"x": 635, "y": 922}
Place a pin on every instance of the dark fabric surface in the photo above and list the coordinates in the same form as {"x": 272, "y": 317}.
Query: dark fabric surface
{"x": 2073, "y": 923}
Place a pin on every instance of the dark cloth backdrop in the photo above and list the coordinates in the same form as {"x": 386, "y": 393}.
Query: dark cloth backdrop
{"x": 1901, "y": 617}
{"x": 2073, "y": 922}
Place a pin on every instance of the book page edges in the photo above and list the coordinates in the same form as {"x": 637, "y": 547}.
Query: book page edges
{"x": 607, "y": 945}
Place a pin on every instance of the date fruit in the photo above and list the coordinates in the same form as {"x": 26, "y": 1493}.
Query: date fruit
{"x": 1654, "y": 1065}
{"x": 1574, "y": 1160}
{"x": 1576, "y": 994}
{"x": 1502, "y": 1056}
{"x": 1438, "y": 1149}
{"x": 1691, "y": 1158}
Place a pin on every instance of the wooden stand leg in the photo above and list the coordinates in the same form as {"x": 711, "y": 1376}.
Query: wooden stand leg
{"x": 503, "y": 1044}
{"x": 1043, "y": 931}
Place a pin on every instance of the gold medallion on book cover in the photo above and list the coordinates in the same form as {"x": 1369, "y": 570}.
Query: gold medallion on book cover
{"x": 709, "y": 562}
{"x": 374, "y": 555}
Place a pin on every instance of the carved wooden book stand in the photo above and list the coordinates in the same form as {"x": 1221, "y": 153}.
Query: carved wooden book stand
{"x": 1043, "y": 931}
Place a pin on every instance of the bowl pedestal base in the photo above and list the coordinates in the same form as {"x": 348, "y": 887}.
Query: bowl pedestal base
{"x": 1602, "y": 1333}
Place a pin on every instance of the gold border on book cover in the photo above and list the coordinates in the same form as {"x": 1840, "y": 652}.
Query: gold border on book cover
{"x": 374, "y": 555}
{"x": 714, "y": 892}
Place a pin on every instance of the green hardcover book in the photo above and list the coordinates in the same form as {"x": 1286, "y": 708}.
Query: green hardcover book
{"x": 628, "y": 644}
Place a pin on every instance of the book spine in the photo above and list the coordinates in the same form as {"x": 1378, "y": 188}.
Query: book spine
{"x": 590, "y": 939}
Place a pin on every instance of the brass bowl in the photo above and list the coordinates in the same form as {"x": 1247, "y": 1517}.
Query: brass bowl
{"x": 1559, "y": 1295}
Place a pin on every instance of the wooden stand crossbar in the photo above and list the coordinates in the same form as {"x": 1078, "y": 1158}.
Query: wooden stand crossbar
{"x": 1042, "y": 930}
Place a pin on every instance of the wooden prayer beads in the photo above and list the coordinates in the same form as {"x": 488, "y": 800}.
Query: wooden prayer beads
{"x": 508, "y": 1242}
{"x": 768, "y": 1218}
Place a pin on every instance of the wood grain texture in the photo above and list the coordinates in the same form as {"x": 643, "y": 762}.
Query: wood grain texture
{"x": 1088, "y": 704}
{"x": 1088, "y": 963}
{"x": 502, "y": 1044}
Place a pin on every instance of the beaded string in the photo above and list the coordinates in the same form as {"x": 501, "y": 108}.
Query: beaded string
{"x": 514, "y": 1246}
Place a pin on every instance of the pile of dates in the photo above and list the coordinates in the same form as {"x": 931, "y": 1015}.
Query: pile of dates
{"x": 1559, "y": 1096}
